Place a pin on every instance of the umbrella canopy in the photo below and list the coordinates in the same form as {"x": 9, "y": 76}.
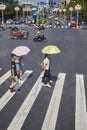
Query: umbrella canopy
{"x": 21, "y": 50}
{"x": 51, "y": 49}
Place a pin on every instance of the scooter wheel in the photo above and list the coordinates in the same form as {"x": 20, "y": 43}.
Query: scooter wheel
{"x": 15, "y": 38}
{"x": 34, "y": 39}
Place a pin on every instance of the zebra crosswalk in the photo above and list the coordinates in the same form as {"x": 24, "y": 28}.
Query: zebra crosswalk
{"x": 5, "y": 77}
{"x": 7, "y": 96}
{"x": 63, "y": 27}
{"x": 81, "y": 114}
{"x": 52, "y": 111}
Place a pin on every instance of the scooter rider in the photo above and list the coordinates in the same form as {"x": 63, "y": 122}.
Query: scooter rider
{"x": 24, "y": 33}
{"x": 38, "y": 34}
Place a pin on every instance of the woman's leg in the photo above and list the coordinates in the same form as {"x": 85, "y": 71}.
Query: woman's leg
{"x": 21, "y": 72}
{"x": 18, "y": 70}
{"x": 46, "y": 77}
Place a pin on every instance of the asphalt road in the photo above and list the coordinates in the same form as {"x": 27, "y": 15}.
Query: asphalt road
{"x": 70, "y": 62}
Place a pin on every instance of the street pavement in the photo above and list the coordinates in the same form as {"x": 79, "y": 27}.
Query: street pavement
{"x": 38, "y": 107}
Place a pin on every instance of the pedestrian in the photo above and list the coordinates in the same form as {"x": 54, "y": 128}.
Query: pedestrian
{"x": 18, "y": 63}
{"x": 47, "y": 75}
{"x": 13, "y": 69}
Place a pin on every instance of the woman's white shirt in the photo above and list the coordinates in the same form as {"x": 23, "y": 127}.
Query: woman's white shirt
{"x": 47, "y": 63}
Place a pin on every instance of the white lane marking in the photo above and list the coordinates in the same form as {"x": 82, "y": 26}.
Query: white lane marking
{"x": 5, "y": 99}
{"x": 25, "y": 76}
{"x": 5, "y": 77}
{"x": 53, "y": 108}
{"x": 8, "y": 95}
{"x": 25, "y": 108}
{"x": 80, "y": 112}
{"x": 0, "y": 68}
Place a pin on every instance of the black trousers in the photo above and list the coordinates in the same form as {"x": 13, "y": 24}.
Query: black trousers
{"x": 47, "y": 76}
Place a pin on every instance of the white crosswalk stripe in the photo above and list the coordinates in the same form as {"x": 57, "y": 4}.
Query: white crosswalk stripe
{"x": 81, "y": 114}
{"x": 8, "y": 95}
{"x": 5, "y": 99}
{"x": 21, "y": 115}
{"x": 5, "y": 77}
{"x": 51, "y": 115}
{"x": 63, "y": 27}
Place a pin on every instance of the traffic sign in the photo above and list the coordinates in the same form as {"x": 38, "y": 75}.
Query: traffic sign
{"x": 77, "y": 16}
{"x": 43, "y": 3}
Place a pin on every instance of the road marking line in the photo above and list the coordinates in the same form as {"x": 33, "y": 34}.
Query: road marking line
{"x": 53, "y": 108}
{"x": 0, "y": 68}
{"x": 80, "y": 113}
{"x": 25, "y": 76}
{"x": 8, "y": 95}
{"x": 25, "y": 108}
{"x": 5, "y": 99}
{"x": 5, "y": 77}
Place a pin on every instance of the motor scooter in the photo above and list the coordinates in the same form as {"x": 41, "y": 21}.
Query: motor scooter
{"x": 16, "y": 34}
{"x": 39, "y": 38}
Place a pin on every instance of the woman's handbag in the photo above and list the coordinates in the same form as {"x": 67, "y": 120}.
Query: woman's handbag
{"x": 42, "y": 65}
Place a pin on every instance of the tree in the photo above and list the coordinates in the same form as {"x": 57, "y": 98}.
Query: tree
{"x": 83, "y": 4}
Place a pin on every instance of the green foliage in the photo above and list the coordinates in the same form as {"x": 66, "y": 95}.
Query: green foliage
{"x": 83, "y": 11}
{"x": 10, "y": 10}
{"x": 42, "y": 20}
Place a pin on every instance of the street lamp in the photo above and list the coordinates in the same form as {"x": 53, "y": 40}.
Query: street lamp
{"x": 77, "y": 8}
{"x": 71, "y": 10}
{"x": 24, "y": 12}
{"x": 17, "y": 9}
{"x": 64, "y": 10}
{"x": 60, "y": 10}
{"x": 28, "y": 10}
{"x": 2, "y": 8}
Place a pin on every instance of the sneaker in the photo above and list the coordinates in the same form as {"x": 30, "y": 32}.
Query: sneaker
{"x": 21, "y": 78}
{"x": 51, "y": 81}
{"x": 19, "y": 81}
{"x": 48, "y": 85}
{"x": 12, "y": 90}
{"x": 16, "y": 79}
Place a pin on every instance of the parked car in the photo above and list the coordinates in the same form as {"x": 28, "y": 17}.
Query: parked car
{"x": 9, "y": 21}
{"x": 85, "y": 27}
{"x": 17, "y": 22}
{"x": 28, "y": 21}
{"x": 2, "y": 28}
{"x": 22, "y": 21}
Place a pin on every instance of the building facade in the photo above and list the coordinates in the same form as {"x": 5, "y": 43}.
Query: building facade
{"x": 59, "y": 2}
{"x": 7, "y": 2}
